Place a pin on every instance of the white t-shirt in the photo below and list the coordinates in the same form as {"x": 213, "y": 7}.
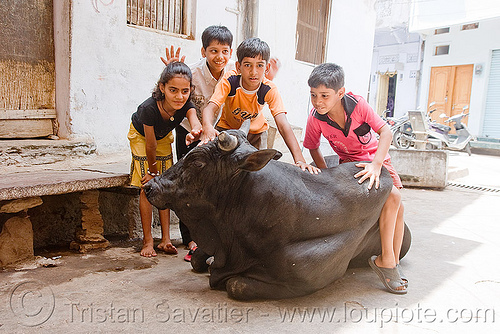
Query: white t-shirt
{"x": 204, "y": 86}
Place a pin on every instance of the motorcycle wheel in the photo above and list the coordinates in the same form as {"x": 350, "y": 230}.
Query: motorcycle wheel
{"x": 400, "y": 141}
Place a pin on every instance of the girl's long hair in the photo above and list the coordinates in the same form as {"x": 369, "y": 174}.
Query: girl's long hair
{"x": 172, "y": 70}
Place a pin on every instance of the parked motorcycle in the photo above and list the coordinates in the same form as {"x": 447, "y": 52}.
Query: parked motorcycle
{"x": 402, "y": 134}
{"x": 438, "y": 134}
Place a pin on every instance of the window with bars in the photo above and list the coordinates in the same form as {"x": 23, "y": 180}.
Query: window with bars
{"x": 173, "y": 16}
{"x": 312, "y": 30}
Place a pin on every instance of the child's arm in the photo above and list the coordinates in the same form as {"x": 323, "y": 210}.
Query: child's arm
{"x": 291, "y": 142}
{"x": 170, "y": 56}
{"x": 318, "y": 158}
{"x": 208, "y": 132}
{"x": 372, "y": 170}
{"x": 149, "y": 133}
{"x": 195, "y": 132}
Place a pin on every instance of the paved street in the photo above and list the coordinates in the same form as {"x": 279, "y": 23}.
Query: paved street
{"x": 452, "y": 267}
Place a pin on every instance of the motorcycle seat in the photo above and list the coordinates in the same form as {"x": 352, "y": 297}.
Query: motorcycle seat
{"x": 441, "y": 127}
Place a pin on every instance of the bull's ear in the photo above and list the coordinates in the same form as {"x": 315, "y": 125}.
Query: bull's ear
{"x": 257, "y": 160}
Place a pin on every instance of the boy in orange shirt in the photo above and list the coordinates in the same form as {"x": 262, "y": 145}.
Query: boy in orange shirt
{"x": 242, "y": 95}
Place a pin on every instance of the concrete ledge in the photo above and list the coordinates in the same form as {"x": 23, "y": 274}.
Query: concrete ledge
{"x": 421, "y": 168}
{"x": 55, "y": 182}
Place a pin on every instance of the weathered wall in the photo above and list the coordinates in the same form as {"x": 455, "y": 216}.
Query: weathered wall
{"x": 114, "y": 67}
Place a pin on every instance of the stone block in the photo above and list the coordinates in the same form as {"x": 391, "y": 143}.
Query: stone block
{"x": 16, "y": 240}
{"x": 21, "y": 204}
{"x": 119, "y": 208}
{"x": 421, "y": 168}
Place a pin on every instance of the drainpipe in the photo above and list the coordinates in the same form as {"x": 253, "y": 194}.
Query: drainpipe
{"x": 250, "y": 18}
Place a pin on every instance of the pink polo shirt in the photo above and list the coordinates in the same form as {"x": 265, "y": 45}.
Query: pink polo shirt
{"x": 358, "y": 141}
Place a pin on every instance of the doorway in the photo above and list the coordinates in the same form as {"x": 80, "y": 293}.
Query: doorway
{"x": 386, "y": 93}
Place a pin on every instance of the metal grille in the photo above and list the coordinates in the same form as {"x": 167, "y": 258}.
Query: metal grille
{"x": 491, "y": 125}
{"x": 166, "y": 15}
{"x": 479, "y": 188}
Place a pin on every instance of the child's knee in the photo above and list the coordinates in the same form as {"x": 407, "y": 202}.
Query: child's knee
{"x": 395, "y": 197}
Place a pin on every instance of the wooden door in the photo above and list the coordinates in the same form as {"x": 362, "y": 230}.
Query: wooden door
{"x": 450, "y": 88}
{"x": 461, "y": 90}
{"x": 439, "y": 90}
{"x": 382, "y": 92}
{"x": 27, "y": 69}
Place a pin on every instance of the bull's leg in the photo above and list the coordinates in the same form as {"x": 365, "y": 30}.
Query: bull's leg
{"x": 371, "y": 245}
{"x": 245, "y": 288}
{"x": 199, "y": 261}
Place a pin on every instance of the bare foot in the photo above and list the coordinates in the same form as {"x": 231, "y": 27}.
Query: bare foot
{"x": 167, "y": 247}
{"x": 148, "y": 250}
{"x": 192, "y": 245}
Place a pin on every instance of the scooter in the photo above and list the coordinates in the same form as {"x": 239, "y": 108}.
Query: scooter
{"x": 402, "y": 134}
{"x": 438, "y": 134}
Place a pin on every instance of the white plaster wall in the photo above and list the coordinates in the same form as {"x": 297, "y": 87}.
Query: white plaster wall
{"x": 114, "y": 67}
{"x": 349, "y": 44}
{"x": 277, "y": 26}
{"x": 350, "y": 41}
{"x": 466, "y": 47}
{"x": 443, "y": 13}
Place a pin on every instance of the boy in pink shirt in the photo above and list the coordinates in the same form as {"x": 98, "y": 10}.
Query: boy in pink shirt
{"x": 349, "y": 124}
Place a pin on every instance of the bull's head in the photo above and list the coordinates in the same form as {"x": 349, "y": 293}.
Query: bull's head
{"x": 207, "y": 170}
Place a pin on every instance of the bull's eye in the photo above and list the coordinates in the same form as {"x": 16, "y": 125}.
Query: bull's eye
{"x": 199, "y": 164}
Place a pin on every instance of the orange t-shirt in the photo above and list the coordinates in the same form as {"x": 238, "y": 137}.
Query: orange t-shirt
{"x": 240, "y": 104}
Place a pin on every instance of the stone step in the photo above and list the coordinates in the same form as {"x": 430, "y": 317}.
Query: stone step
{"x": 32, "y": 152}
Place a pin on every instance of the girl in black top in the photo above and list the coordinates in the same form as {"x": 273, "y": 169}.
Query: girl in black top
{"x": 151, "y": 137}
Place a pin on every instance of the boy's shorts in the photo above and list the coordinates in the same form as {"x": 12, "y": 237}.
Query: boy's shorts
{"x": 258, "y": 140}
{"x": 139, "y": 164}
{"x": 396, "y": 180}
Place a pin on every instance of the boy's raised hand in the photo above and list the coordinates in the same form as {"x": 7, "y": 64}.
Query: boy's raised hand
{"x": 370, "y": 171}
{"x": 171, "y": 57}
{"x": 274, "y": 66}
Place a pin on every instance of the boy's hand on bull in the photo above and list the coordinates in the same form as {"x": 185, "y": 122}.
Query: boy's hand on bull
{"x": 370, "y": 171}
{"x": 208, "y": 133}
{"x": 171, "y": 57}
{"x": 310, "y": 169}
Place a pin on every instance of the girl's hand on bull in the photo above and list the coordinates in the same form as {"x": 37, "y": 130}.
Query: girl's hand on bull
{"x": 193, "y": 136}
{"x": 146, "y": 179}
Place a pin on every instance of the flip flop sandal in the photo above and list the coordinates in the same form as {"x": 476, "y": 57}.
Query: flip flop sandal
{"x": 390, "y": 274}
{"x": 188, "y": 256}
{"x": 402, "y": 275}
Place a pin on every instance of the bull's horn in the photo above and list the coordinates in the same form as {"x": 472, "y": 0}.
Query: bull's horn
{"x": 227, "y": 142}
{"x": 245, "y": 127}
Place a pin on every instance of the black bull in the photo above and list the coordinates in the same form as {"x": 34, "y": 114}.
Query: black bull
{"x": 274, "y": 230}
